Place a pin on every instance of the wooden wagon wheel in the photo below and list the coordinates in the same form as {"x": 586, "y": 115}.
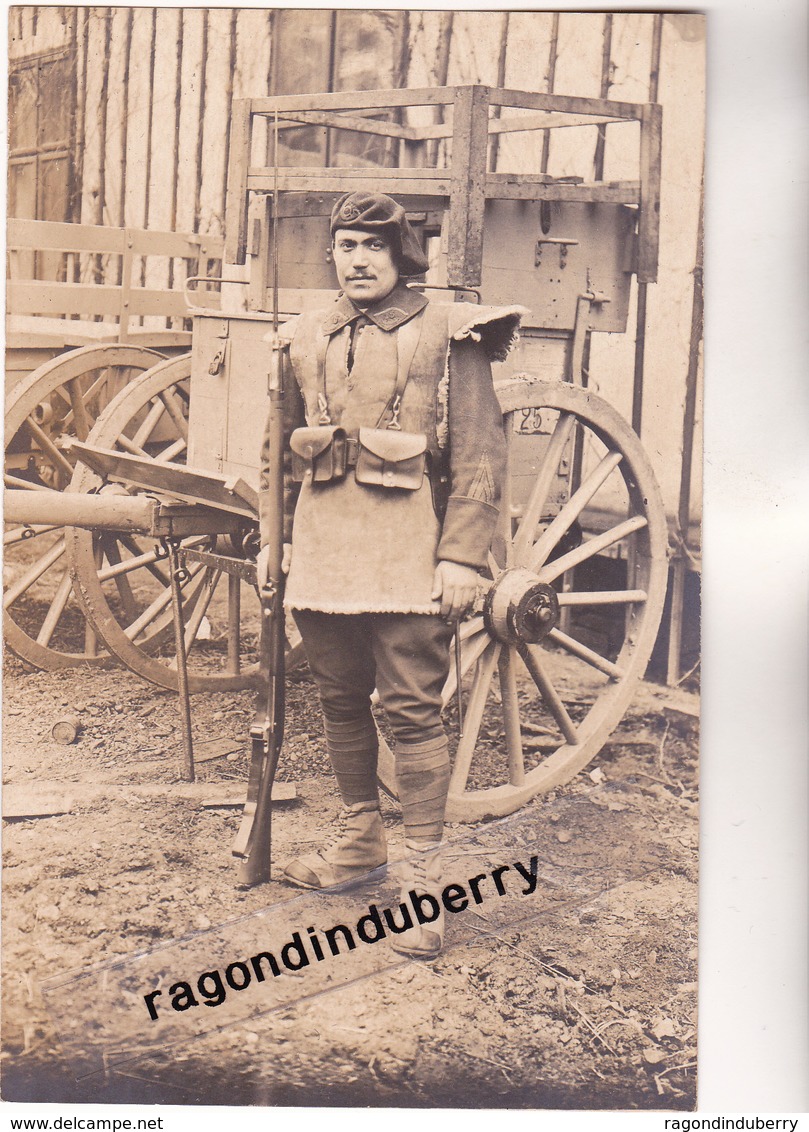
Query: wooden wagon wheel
{"x": 62, "y": 398}
{"x": 120, "y": 581}
{"x": 548, "y": 680}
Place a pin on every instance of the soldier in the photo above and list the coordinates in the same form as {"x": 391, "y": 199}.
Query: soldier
{"x": 397, "y": 453}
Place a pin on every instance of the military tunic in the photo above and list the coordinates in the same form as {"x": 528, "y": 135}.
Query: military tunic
{"x": 359, "y": 548}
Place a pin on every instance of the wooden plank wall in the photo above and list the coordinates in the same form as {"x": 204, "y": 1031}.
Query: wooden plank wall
{"x": 155, "y": 87}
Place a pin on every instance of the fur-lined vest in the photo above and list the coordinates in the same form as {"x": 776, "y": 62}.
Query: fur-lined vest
{"x": 362, "y": 541}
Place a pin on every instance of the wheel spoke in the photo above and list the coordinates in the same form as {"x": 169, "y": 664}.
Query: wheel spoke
{"x": 531, "y": 656}
{"x": 149, "y": 424}
{"x": 130, "y": 446}
{"x": 14, "y": 592}
{"x": 175, "y": 412}
{"x": 90, "y": 393}
{"x": 60, "y": 393}
{"x": 130, "y": 606}
{"x": 474, "y": 715}
{"x": 157, "y": 607}
{"x": 511, "y": 716}
{"x": 169, "y": 453}
{"x": 149, "y": 558}
{"x": 90, "y": 638}
{"x": 24, "y": 534}
{"x": 208, "y": 587}
{"x": 589, "y": 548}
{"x": 57, "y": 608}
{"x": 602, "y": 597}
{"x": 540, "y": 490}
{"x": 575, "y": 648}
{"x": 81, "y": 420}
{"x": 26, "y": 485}
{"x": 571, "y": 510}
{"x": 127, "y": 565}
{"x": 471, "y": 627}
{"x": 471, "y": 653}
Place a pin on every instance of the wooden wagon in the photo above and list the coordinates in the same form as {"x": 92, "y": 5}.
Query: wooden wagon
{"x": 173, "y": 456}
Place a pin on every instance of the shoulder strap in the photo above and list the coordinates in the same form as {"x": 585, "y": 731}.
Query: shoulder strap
{"x": 322, "y": 404}
{"x": 407, "y": 340}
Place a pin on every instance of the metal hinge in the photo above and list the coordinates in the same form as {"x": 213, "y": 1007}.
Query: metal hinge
{"x": 220, "y": 357}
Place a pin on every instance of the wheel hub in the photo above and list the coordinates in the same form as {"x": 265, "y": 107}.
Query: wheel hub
{"x": 520, "y": 608}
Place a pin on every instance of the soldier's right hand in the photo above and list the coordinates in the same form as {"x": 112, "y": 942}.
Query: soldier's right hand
{"x": 262, "y": 567}
{"x": 263, "y": 563}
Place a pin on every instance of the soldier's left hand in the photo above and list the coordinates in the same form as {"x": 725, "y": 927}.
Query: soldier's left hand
{"x": 455, "y": 586}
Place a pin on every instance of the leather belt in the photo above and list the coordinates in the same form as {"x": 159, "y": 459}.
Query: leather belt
{"x": 352, "y": 451}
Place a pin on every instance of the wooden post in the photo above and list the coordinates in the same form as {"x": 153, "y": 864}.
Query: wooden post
{"x": 234, "y": 624}
{"x": 238, "y": 165}
{"x": 126, "y": 288}
{"x": 689, "y": 416}
{"x": 470, "y": 138}
{"x": 640, "y": 322}
{"x": 649, "y": 225}
{"x": 261, "y": 252}
{"x": 684, "y": 505}
{"x": 675, "y": 620}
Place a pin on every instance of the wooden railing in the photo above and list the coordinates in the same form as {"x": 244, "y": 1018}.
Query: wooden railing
{"x": 164, "y": 260}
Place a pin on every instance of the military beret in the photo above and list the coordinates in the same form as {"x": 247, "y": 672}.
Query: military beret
{"x": 375, "y": 212}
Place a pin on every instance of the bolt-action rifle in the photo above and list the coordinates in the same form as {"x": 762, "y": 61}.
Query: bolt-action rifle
{"x": 253, "y": 843}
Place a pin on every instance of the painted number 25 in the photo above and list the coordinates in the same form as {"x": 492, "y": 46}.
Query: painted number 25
{"x": 528, "y": 421}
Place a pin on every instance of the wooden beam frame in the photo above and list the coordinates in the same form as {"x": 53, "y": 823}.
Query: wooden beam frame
{"x": 236, "y": 191}
{"x": 565, "y": 104}
{"x": 356, "y": 100}
{"x": 53, "y": 235}
{"x": 467, "y": 182}
{"x": 337, "y": 121}
{"x": 651, "y": 136}
{"x": 470, "y": 141}
{"x": 54, "y": 299}
{"x": 438, "y": 184}
{"x": 544, "y": 120}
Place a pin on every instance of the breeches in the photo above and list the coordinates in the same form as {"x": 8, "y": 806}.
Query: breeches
{"x": 405, "y": 656}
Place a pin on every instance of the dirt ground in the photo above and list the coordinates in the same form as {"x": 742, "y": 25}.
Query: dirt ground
{"x": 589, "y": 1002}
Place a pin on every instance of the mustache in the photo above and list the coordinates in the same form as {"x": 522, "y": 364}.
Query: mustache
{"x": 354, "y": 278}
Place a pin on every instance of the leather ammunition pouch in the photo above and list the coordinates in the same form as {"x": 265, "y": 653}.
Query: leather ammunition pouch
{"x": 390, "y": 458}
{"x": 318, "y": 454}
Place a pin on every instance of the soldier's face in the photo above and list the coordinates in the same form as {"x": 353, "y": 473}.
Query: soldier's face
{"x": 365, "y": 265}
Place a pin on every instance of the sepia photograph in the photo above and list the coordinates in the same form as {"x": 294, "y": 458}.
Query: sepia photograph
{"x": 352, "y": 557}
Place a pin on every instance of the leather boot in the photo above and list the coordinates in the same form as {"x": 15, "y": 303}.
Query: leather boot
{"x": 421, "y": 874}
{"x": 356, "y": 848}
